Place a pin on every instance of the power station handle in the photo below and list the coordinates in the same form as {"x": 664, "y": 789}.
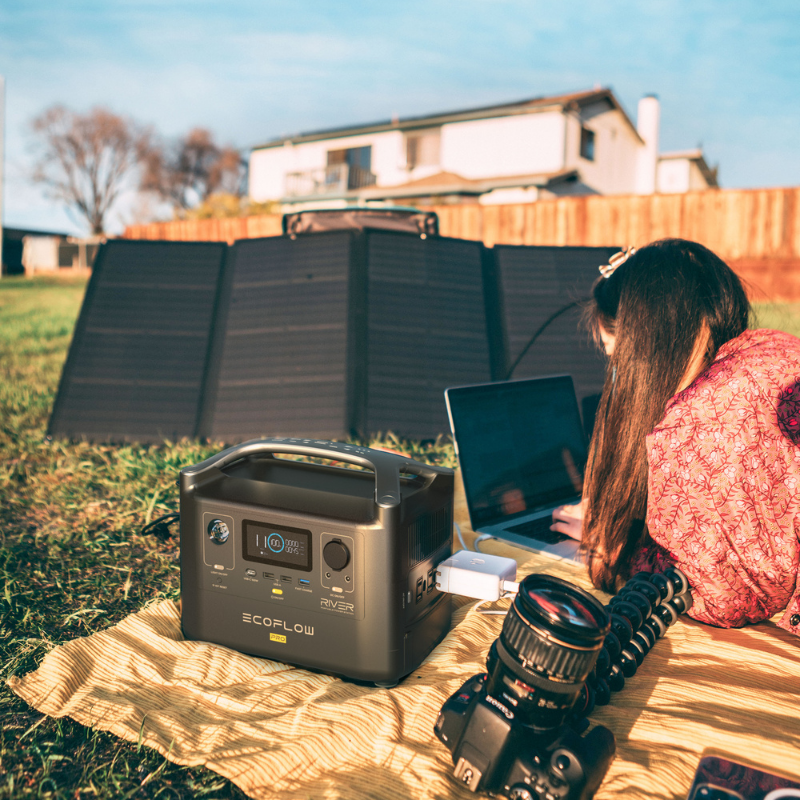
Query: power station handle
{"x": 387, "y": 466}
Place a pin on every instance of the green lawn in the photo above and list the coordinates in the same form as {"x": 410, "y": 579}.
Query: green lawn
{"x": 778, "y": 316}
{"x": 69, "y": 549}
{"x": 72, "y": 561}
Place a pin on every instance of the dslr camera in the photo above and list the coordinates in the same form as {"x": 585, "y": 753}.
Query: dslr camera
{"x": 516, "y": 730}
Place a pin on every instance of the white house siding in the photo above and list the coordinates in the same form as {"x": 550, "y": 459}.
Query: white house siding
{"x": 697, "y": 181}
{"x": 672, "y": 176}
{"x": 40, "y": 254}
{"x": 269, "y": 166}
{"x": 388, "y": 157}
{"x": 677, "y": 175}
{"x": 517, "y": 145}
{"x": 267, "y": 170}
{"x": 613, "y": 170}
{"x": 489, "y": 148}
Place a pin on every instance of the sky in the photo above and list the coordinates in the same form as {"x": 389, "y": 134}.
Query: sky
{"x": 727, "y": 72}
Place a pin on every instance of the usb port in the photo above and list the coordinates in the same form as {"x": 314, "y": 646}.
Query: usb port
{"x": 304, "y": 582}
{"x": 431, "y": 580}
{"x": 420, "y": 589}
{"x": 269, "y": 574}
{"x": 286, "y": 578}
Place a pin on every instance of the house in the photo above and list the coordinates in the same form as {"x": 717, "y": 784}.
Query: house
{"x": 41, "y": 247}
{"x": 31, "y": 252}
{"x": 684, "y": 171}
{"x": 579, "y": 143}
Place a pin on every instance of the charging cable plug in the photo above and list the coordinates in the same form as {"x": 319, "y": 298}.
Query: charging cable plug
{"x": 478, "y": 575}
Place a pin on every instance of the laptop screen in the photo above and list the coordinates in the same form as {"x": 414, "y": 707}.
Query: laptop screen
{"x": 521, "y": 445}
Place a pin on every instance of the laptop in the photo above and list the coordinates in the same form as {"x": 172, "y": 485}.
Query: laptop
{"x": 522, "y": 451}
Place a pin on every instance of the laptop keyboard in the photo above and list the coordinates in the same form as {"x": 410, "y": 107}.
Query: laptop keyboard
{"x": 539, "y": 529}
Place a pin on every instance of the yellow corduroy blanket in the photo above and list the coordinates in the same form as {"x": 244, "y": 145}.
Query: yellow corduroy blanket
{"x": 281, "y": 732}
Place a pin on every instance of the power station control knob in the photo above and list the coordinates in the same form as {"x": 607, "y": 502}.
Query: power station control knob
{"x": 218, "y": 531}
{"x": 336, "y": 555}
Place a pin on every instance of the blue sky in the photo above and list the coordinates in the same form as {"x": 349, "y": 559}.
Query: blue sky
{"x": 727, "y": 72}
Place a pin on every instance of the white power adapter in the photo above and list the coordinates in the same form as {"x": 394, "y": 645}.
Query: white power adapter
{"x": 478, "y": 575}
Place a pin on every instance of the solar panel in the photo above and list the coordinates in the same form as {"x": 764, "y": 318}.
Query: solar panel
{"x": 530, "y": 286}
{"x": 280, "y": 363}
{"x": 426, "y": 329}
{"x": 136, "y": 365}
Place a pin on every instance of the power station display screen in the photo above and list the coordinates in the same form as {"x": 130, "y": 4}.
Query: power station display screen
{"x": 276, "y": 545}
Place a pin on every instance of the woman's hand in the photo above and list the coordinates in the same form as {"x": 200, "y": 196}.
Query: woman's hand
{"x": 569, "y": 520}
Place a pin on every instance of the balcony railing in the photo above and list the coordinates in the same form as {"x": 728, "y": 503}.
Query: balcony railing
{"x": 336, "y": 179}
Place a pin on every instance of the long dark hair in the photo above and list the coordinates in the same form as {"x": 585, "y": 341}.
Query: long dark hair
{"x": 658, "y": 304}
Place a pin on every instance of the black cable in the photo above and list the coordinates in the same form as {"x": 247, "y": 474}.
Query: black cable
{"x": 540, "y": 330}
{"x": 160, "y": 527}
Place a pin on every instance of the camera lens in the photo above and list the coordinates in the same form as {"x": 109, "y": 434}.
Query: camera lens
{"x": 549, "y": 644}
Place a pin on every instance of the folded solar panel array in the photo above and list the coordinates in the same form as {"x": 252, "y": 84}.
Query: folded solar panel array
{"x": 318, "y": 335}
{"x": 332, "y": 333}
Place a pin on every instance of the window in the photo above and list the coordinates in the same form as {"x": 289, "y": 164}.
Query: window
{"x": 359, "y": 163}
{"x": 422, "y": 149}
{"x": 587, "y": 144}
{"x": 360, "y": 157}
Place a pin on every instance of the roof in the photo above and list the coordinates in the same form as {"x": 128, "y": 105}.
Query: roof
{"x": 692, "y": 155}
{"x": 450, "y": 183}
{"x": 571, "y": 100}
{"x": 16, "y": 234}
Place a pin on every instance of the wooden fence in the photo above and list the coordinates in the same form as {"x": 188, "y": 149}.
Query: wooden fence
{"x": 756, "y": 231}
{"x": 208, "y": 230}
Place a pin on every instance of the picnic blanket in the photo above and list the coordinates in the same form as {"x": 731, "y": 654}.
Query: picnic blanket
{"x": 282, "y": 732}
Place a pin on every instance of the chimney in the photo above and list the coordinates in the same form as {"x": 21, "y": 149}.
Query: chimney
{"x": 647, "y": 121}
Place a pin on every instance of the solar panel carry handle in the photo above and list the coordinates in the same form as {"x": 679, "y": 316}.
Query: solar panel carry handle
{"x": 386, "y": 466}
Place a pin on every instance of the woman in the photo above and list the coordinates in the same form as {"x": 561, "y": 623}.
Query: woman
{"x": 695, "y": 456}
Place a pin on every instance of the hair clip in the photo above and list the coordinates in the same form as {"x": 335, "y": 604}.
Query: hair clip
{"x": 617, "y": 260}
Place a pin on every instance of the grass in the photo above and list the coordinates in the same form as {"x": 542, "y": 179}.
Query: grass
{"x": 72, "y": 561}
{"x": 778, "y": 316}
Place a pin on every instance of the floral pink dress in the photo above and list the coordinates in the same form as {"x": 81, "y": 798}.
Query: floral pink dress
{"x": 724, "y": 482}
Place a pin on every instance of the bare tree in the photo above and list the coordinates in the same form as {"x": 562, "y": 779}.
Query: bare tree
{"x": 87, "y": 160}
{"x": 188, "y": 170}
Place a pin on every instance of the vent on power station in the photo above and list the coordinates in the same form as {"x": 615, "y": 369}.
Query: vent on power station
{"x": 427, "y": 534}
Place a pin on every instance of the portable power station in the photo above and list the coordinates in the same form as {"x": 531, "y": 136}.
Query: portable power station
{"x": 317, "y": 565}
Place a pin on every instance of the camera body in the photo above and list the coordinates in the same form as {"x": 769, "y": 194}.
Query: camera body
{"x": 494, "y": 751}
{"x": 317, "y": 565}
{"x": 514, "y": 730}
